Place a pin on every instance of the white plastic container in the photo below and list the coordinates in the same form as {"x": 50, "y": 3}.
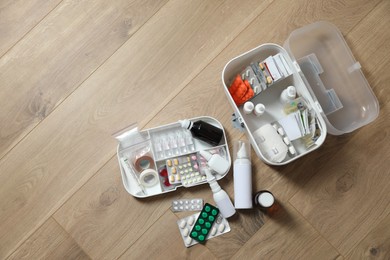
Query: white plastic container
{"x": 324, "y": 73}
{"x": 144, "y": 155}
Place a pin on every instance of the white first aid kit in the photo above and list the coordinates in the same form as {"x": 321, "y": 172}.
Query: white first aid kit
{"x": 288, "y": 99}
{"x": 160, "y": 160}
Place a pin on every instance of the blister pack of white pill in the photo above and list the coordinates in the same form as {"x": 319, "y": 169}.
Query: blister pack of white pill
{"x": 286, "y": 140}
{"x": 220, "y": 226}
{"x": 187, "y": 205}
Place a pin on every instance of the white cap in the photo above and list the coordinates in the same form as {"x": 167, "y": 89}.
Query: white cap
{"x": 248, "y": 107}
{"x": 185, "y": 123}
{"x": 291, "y": 92}
{"x": 266, "y": 199}
{"x": 259, "y": 109}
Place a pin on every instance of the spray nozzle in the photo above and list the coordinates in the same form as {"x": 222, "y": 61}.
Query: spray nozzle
{"x": 242, "y": 151}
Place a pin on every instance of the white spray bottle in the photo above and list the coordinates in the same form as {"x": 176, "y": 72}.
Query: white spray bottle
{"x": 242, "y": 173}
{"x": 220, "y": 196}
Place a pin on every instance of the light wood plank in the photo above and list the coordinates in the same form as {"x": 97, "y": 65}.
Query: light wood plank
{"x": 350, "y": 189}
{"x": 287, "y": 236}
{"x": 376, "y": 245}
{"x": 50, "y": 241}
{"x": 17, "y": 17}
{"x": 163, "y": 241}
{"x": 54, "y": 58}
{"x": 103, "y": 212}
{"x": 70, "y": 146}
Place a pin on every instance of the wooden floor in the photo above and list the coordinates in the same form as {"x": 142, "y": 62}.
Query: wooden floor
{"x": 73, "y": 72}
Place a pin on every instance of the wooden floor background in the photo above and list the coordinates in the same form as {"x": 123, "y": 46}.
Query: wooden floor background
{"x": 73, "y": 72}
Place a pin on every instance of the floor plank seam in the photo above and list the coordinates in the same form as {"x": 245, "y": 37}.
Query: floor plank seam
{"x": 361, "y": 20}
{"x": 80, "y": 85}
{"x": 32, "y": 28}
{"x": 318, "y": 232}
{"x": 196, "y": 75}
{"x": 135, "y": 241}
{"x": 56, "y": 210}
{"x": 80, "y": 246}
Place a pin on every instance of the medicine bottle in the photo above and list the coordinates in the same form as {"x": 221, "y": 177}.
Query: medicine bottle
{"x": 264, "y": 199}
{"x": 203, "y": 131}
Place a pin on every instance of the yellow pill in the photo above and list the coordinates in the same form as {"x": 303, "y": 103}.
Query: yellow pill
{"x": 175, "y": 161}
{"x": 169, "y": 163}
{"x": 171, "y": 179}
{"x": 269, "y": 80}
{"x": 261, "y": 65}
{"x": 173, "y": 170}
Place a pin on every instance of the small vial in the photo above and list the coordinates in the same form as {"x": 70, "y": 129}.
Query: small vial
{"x": 288, "y": 94}
{"x": 248, "y": 107}
{"x": 259, "y": 109}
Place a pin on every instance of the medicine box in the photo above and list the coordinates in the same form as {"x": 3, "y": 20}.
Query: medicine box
{"x": 332, "y": 94}
{"x": 160, "y": 160}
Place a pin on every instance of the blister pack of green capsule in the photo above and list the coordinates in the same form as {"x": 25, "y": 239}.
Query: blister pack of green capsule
{"x": 204, "y": 223}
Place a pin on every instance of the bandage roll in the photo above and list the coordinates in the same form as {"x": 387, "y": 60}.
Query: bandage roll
{"x": 144, "y": 162}
{"x": 149, "y": 178}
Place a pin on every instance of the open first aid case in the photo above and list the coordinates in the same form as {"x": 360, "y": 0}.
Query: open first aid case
{"x": 329, "y": 93}
{"x": 159, "y": 160}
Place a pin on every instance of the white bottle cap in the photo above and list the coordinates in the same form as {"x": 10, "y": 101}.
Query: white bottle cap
{"x": 259, "y": 109}
{"x": 291, "y": 92}
{"x": 248, "y": 107}
{"x": 185, "y": 123}
{"x": 266, "y": 199}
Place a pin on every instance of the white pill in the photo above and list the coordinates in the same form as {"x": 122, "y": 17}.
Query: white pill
{"x": 182, "y": 224}
{"x": 187, "y": 207}
{"x": 187, "y": 202}
{"x": 291, "y": 149}
{"x": 175, "y": 202}
{"x": 247, "y": 73}
{"x": 221, "y": 228}
{"x": 181, "y": 208}
{"x": 191, "y": 220}
{"x": 286, "y": 140}
{"x": 186, "y": 231}
{"x": 175, "y": 207}
{"x": 213, "y": 231}
{"x": 280, "y": 131}
{"x": 188, "y": 240}
{"x": 252, "y": 81}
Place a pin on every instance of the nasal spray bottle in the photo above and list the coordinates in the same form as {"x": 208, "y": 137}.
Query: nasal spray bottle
{"x": 242, "y": 173}
{"x": 221, "y": 198}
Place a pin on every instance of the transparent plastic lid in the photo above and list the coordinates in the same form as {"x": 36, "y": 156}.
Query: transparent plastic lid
{"x": 333, "y": 77}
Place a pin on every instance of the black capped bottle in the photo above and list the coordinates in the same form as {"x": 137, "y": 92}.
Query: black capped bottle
{"x": 203, "y": 131}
